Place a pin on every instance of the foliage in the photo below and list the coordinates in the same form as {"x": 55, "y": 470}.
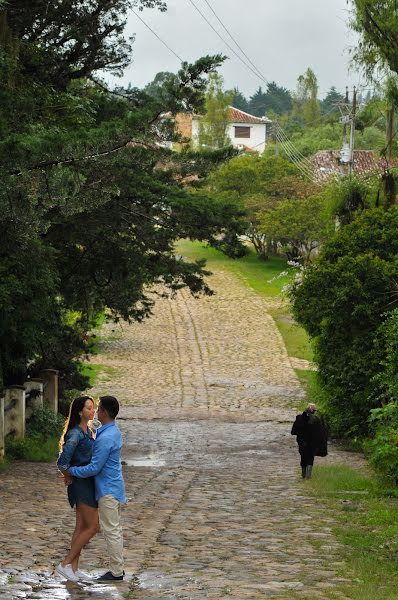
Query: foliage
{"x": 382, "y": 448}
{"x": 34, "y": 448}
{"x": 328, "y": 104}
{"x": 91, "y": 202}
{"x": 213, "y": 125}
{"x": 239, "y": 101}
{"x": 386, "y": 341}
{"x": 299, "y": 225}
{"x": 43, "y": 431}
{"x": 376, "y": 21}
{"x": 306, "y": 107}
{"x": 276, "y": 99}
{"x": 347, "y": 197}
{"x": 72, "y": 39}
{"x": 341, "y": 301}
{"x": 46, "y": 423}
{"x": 259, "y": 182}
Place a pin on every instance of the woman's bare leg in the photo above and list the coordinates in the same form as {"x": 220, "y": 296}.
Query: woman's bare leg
{"x": 80, "y": 525}
{"x": 90, "y": 521}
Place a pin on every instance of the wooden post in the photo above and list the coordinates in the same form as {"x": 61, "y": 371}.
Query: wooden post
{"x": 34, "y": 396}
{"x": 14, "y": 411}
{"x": 50, "y": 388}
{"x": 2, "y": 444}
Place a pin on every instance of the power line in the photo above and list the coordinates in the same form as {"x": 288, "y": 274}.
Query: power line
{"x": 302, "y": 163}
{"x": 256, "y": 73}
{"x": 157, "y": 36}
{"x": 235, "y": 42}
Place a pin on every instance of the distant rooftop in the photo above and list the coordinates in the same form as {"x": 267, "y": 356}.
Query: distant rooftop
{"x": 240, "y": 116}
{"x": 326, "y": 163}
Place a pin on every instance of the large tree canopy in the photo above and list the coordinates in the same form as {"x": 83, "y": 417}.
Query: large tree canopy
{"x": 91, "y": 199}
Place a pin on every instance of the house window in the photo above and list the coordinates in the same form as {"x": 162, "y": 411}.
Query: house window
{"x": 242, "y": 132}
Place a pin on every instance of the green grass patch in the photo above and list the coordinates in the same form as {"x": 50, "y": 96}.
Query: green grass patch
{"x": 93, "y": 371}
{"x": 34, "y": 448}
{"x": 296, "y": 339}
{"x": 313, "y": 390}
{"x": 264, "y": 277}
{"x": 258, "y": 274}
{"x": 366, "y": 524}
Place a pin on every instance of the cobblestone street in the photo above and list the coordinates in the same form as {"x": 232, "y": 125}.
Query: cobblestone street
{"x": 216, "y": 506}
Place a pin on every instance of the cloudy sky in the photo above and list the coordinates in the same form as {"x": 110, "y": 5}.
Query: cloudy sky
{"x": 281, "y": 37}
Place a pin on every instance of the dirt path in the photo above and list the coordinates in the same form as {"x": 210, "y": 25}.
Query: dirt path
{"x": 216, "y": 508}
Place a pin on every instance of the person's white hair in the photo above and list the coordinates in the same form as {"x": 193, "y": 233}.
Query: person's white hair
{"x": 311, "y": 408}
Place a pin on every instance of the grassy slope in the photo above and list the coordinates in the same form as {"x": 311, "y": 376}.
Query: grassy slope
{"x": 262, "y": 277}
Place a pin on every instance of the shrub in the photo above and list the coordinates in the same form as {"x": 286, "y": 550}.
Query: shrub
{"x": 42, "y": 438}
{"x": 33, "y": 448}
{"x": 342, "y": 301}
{"x": 45, "y": 423}
{"x": 382, "y": 450}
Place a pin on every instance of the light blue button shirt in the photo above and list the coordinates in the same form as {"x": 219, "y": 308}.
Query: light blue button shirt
{"x": 105, "y": 464}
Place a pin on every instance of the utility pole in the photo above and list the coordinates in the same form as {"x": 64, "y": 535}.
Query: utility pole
{"x": 389, "y": 132}
{"x": 352, "y": 133}
{"x": 348, "y": 114}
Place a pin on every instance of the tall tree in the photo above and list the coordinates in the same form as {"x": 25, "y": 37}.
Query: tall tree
{"x": 239, "y": 100}
{"x": 91, "y": 202}
{"x": 306, "y": 107}
{"x": 258, "y": 103}
{"x": 213, "y": 125}
{"x": 330, "y": 100}
{"x": 278, "y": 99}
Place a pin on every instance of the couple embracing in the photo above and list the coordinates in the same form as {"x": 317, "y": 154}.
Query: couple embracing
{"x": 92, "y": 469}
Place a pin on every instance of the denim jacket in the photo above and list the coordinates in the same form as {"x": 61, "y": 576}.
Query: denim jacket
{"x": 77, "y": 449}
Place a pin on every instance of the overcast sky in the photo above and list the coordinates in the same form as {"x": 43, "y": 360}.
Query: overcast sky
{"x": 282, "y": 38}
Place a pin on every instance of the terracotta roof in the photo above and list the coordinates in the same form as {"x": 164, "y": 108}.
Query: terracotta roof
{"x": 239, "y": 116}
{"x": 326, "y": 163}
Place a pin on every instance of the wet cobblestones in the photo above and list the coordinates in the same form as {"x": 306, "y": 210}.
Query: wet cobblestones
{"x": 216, "y": 510}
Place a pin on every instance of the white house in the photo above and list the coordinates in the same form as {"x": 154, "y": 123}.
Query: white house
{"x": 245, "y": 131}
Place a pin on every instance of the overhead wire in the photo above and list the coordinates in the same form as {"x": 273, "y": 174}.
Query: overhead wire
{"x": 291, "y": 150}
{"x": 235, "y": 42}
{"x": 248, "y": 66}
{"x": 294, "y": 154}
{"x": 157, "y": 36}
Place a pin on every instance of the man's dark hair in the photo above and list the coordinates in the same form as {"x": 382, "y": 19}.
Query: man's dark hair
{"x": 110, "y": 404}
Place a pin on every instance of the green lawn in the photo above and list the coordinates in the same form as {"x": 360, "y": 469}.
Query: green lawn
{"x": 366, "y": 526}
{"x": 264, "y": 278}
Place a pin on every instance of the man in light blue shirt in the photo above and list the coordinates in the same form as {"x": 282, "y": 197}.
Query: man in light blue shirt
{"x": 106, "y": 466}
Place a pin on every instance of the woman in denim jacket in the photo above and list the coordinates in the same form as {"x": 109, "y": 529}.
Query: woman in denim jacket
{"x": 76, "y": 449}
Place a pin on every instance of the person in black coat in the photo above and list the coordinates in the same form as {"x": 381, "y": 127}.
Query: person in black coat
{"x": 311, "y": 438}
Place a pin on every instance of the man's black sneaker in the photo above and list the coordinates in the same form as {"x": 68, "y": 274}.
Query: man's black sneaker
{"x": 110, "y": 577}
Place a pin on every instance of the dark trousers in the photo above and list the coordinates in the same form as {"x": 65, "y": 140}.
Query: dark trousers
{"x": 307, "y": 456}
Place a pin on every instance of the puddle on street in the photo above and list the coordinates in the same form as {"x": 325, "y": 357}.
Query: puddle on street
{"x": 47, "y": 587}
{"x": 145, "y": 461}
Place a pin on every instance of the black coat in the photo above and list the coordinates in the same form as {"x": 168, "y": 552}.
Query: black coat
{"x": 311, "y": 434}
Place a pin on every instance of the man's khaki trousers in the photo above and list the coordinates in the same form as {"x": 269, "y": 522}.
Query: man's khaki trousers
{"x": 109, "y": 517}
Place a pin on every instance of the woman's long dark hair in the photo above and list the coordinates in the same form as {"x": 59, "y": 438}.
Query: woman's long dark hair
{"x": 73, "y": 418}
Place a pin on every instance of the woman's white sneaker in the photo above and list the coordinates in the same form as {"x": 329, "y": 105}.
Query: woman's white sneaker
{"x": 66, "y": 571}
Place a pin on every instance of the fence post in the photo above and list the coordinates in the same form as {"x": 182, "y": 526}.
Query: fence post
{"x": 2, "y": 444}
{"x": 34, "y": 396}
{"x": 14, "y": 410}
{"x": 50, "y": 388}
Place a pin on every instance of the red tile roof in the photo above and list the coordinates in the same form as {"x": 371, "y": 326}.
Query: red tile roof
{"x": 239, "y": 116}
{"x": 326, "y": 163}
